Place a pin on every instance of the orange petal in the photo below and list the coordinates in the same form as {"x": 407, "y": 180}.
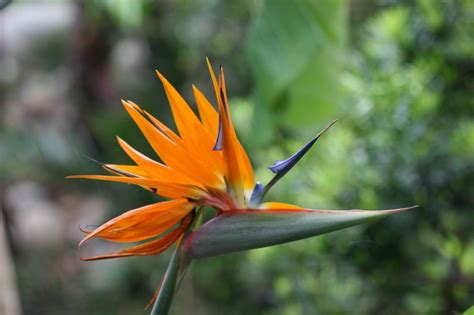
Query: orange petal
{"x": 150, "y": 248}
{"x": 142, "y": 223}
{"x": 126, "y": 170}
{"x": 246, "y": 174}
{"x": 162, "y": 127}
{"x": 199, "y": 144}
{"x": 196, "y": 138}
{"x": 154, "y": 247}
{"x": 173, "y": 153}
{"x": 155, "y": 169}
{"x": 165, "y": 189}
{"x": 210, "y": 121}
{"x": 238, "y": 169}
{"x": 183, "y": 115}
{"x": 279, "y": 206}
{"x": 209, "y": 116}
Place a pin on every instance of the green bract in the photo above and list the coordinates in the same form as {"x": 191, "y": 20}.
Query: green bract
{"x": 243, "y": 230}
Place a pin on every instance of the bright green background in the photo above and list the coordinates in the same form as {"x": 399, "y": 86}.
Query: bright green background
{"x": 397, "y": 74}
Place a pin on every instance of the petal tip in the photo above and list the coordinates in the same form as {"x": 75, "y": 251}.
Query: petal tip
{"x": 208, "y": 61}
{"x": 406, "y": 208}
{"x": 86, "y": 238}
{"x": 283, "y": 166}
{"x": 161, "y": 77}
{"x": 82, "y": 242}
{"x": 399, "y": 210}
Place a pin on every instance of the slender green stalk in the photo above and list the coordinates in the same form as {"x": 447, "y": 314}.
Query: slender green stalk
{"x": 175, "y": 272}
{"x": 168, "y": 286}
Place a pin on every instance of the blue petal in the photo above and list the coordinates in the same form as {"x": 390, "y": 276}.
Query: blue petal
{"x": 257, "y": 192}
{"x": 218, "y": 144}
{"x": 281, "y": 167}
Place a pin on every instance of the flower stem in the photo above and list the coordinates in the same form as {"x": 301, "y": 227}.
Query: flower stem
{"x": 175, "y": 272}
{"x": 168, "y": 286}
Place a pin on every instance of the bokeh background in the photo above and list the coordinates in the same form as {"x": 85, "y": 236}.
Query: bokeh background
{"x": 397, "y": 74}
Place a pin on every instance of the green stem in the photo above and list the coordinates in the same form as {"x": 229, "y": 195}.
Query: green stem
{"x": 175, "y": 272}
{"x": 168, "y": 286}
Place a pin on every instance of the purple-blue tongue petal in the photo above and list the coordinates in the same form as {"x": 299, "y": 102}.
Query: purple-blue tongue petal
{"x": 281, "y": 167}
{"x": 257, "y": 192}
{"x": 218, "y": 144}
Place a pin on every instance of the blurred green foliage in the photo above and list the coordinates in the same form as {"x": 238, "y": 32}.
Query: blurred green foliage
{"x": 296, "y": 53}
{"x": 399, "y": 78}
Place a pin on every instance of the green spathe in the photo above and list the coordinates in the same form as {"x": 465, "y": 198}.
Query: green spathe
{"x": 249, "y": 229}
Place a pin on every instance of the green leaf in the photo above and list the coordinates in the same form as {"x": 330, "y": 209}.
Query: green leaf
{"x": 470, "y": 311}
{"x": 243, "y": 230}
{"x": 281, "y": 41}
{"x": 296, "y": 53}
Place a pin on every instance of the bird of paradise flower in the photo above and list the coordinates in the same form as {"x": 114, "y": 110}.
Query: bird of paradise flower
{"x": 204, "y": 164}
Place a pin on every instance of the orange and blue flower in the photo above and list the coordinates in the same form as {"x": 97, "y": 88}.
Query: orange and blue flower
{"x": 204, "y": 164}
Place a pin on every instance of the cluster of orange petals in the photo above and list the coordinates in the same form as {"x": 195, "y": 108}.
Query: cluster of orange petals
{"x": 192, "y": 172}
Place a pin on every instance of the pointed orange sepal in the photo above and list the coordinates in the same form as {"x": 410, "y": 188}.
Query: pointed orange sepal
{"x": 173, "y": 151}
{"x": 154, "y": 247}
{"x": 280, "y": 206}
{"x": 238, "y": 169}
{"x": 142, "y": 223}
{"x": 165, "y": 189}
